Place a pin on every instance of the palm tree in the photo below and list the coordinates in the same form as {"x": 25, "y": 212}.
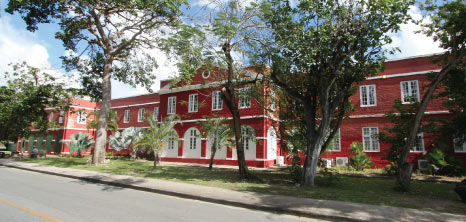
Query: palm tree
{"x": 156, "y": 134}
{"x": 220, "y": 134}
{"x": 81, "y": 140}
{"x": 125, "y": 139}
{"x": 112, "y": 121}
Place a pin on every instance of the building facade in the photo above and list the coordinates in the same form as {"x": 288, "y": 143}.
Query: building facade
{"x": 200, "y": 99}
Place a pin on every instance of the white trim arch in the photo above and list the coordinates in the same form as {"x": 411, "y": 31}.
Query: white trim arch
{"x": 221, "y": 151}
{"x": 271, "y": 144}
{"x": 192, "y": 143}
{"x": 249, "y": 139}
{"x": 170, "y": 145}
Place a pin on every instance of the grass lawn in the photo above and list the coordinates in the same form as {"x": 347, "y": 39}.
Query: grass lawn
{"x": 433, "y": 196}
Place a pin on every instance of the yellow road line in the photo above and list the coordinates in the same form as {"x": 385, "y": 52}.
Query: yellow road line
{"x": 43, "y": 216}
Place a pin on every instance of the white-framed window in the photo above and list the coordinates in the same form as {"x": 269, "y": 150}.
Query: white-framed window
{"x": 244, "y": 100}
{"x": 156, "y": 113}
{"x": 335, "y": 146}
{"x": 272, "y": 100}
{"x": 192, "y": 139}
{"x": 419, "y": 146}
{"x": 409, "y": 91}
{"x": 192, "y": 103}
{"x": 171, "y": 143}
{"x": 370, "y": 139}
{"x": 368, "y": 95}
{"x": 459, "y": 148}
{"x": 61, "y": 116}
{"x": 171, "y": 105}
{"x": 217, "y": 103}
{"x": 126, "y": 116}
{"x": 141, "y": 115}
{"x": 51, "y": 117}
{"x": 82, "y": 115}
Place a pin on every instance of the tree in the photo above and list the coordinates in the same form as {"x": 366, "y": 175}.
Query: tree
{"x": 220, "y": 135}
{"x": 112, "y": 121}
{"x": 319, "y": 51}
{"x": 154, "y": 136}
{"x": 456, "y": 104}
{"x": 233, "y": 27}
{"x": 24, "y": 98}
{"x": 125, "y": 140}
{"x": 110, "y": 33}
{"x": 447, "y": 27}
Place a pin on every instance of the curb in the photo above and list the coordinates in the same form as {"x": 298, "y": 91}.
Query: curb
{"x": 270, "y": 209}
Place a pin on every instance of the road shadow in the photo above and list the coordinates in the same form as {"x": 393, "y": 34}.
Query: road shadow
{"x": 109, "y": 184}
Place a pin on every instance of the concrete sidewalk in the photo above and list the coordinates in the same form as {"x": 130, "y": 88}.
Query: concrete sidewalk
{"x": 322, "y": 209}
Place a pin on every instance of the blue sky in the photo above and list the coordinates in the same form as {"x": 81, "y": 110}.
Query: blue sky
{"x": 42, "y": 50}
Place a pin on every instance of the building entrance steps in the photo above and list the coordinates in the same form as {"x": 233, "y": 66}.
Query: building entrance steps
{"x": 322, "y": 209}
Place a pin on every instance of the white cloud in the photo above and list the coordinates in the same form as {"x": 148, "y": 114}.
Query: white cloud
{"x": 17, "y": 46}
{"x": 411, "y": 43}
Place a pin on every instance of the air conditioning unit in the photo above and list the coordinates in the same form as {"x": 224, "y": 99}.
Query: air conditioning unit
{"x": 326, "y": 162}
{"x": 342, "y": 161}
{"x": 423, "y": 165}
{"x": 281, "y": 160}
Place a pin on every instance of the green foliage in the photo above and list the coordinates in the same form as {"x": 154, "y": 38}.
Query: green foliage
{"x": 329, "y": 177}
{"x": 81, "y": 141}
{"x": 296, "y": 171}
{"x": 402, "y": 118}
{"x": 391, "y": 169}
{"x": 320, "y": 50}
{"x": 443, "y": 162}
{"x": 125, "y": 140}
{"x": 114, "y": 35}
{"x": 218, "y": 131}
{"x": 106, "y": 31}
{"x": 153, "y": 137}
{"x": 23, "y": 100}
{"x": 359, "y": 160}
{"x": 112, "y": 121}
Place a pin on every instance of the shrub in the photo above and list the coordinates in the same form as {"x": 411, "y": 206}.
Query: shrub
{"x": 444, "y": 163}
{"x": 391, "y": 169}
{"x": 359, "y": 160}
{"x": 295, "y": 172}
{"x": 330, "y": 177}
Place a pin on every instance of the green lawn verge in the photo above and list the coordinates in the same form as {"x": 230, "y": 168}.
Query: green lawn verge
{"x": 431, "y": 196}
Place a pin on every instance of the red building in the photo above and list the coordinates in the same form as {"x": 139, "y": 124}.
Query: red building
{"x": 200, "y": 98}
{"x": 66, "y": 124}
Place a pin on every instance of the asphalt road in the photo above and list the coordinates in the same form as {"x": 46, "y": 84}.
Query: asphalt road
{"x": 30, "y": 196}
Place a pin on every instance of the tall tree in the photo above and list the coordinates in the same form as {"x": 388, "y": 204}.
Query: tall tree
{"x": 109, "y": 32}
{"x": 448, "y": 27}
{"x": 24, "y": 98}
{"x": 320, "y": 50}
{"x": 232, "y": 28}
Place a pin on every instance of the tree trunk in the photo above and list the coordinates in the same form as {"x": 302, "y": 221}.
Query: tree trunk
{"x": 231, "y": 103}
{"x": 101, "y": 131}
{"x": 405, "y": 169}
{"x": 156, "y": 159}
{"x": 212, "y": 154}
{"x": 404, "y": 176}
{"x": 315, "y": 140}
{"x": 310, "y": 161}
